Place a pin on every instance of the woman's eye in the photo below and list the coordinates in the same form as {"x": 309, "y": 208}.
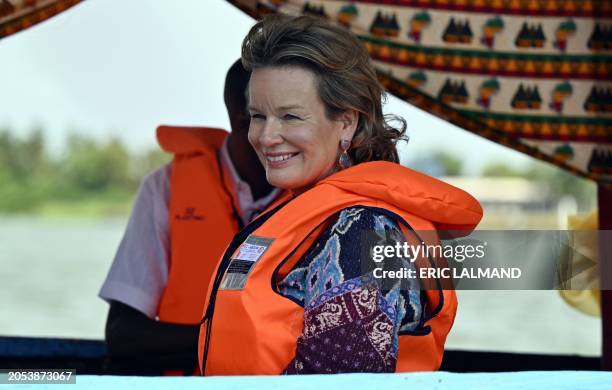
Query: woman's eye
{"x": 290, "y": 117}
{"x": 257, "y": 116}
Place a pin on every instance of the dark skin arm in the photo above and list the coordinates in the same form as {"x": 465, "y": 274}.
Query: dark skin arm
{"x": 133, "y": 340}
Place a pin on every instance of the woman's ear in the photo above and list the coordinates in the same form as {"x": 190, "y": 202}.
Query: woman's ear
{"x": 349, "y": 120}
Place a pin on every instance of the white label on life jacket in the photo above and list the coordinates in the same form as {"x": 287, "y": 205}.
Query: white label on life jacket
{"x": 251, "y": 250}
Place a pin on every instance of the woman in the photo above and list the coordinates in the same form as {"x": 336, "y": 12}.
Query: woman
{"x": 294, "y": 292}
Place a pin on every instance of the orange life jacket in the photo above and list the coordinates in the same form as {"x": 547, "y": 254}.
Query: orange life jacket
{"x": 250, "y": 329}
{"x": 202, "y": 219}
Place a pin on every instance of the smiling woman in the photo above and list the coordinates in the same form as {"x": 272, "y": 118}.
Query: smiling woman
{"x": 294, "y": 292}
{"x": 295, "y": 139}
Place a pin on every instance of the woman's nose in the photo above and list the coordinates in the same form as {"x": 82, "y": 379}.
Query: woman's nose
{"x": 270, "y": 133}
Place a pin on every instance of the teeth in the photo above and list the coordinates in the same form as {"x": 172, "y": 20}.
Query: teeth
{"x": 280, "y": 158}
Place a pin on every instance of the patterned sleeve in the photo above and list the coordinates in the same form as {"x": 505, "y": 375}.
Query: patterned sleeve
{"x": 351, "y": 320}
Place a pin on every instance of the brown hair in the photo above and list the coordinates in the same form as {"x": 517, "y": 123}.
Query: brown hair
{"x": 346, "y": 78}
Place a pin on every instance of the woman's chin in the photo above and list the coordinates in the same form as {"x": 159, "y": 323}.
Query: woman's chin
{"x": 283, "y": 184}
{"x": 286, "y": 181}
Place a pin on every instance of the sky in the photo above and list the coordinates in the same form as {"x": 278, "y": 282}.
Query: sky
{"x": 121, "y": 68}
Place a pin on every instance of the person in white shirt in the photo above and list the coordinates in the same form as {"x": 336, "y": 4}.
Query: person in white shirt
{"x": 139, "y": 274}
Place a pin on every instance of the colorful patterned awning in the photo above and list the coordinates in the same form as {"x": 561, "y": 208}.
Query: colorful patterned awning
{"x": 17, "y": 15}
{"x": 533, "y": 75}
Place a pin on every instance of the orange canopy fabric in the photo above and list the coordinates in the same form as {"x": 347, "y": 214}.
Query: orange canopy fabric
{"x": 533, "y": 75}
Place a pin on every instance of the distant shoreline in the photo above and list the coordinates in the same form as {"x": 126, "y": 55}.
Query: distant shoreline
{"x": 95, "y": 208}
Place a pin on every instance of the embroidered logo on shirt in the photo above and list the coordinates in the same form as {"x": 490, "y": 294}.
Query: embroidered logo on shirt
{"x": 189, "y": 215}
{"x": 251, "y": 250}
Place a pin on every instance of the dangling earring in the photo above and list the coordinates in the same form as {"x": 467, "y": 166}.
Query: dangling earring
{"x": 344, "y": 161}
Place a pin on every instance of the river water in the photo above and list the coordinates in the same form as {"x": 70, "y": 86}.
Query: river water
{"x": 51, "y": 271}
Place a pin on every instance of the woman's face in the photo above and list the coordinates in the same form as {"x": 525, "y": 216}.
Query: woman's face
{"x": 295, "y": 141}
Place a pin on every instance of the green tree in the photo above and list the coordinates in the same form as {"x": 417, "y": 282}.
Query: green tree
{"x": 500, "y": 169}
{"x": 90, "y": 167}
{"x": 101, "y": 171}
{"x": 23, "y": 171}
{"x": 451, "y": 163}
{"x": 119, "y": 161}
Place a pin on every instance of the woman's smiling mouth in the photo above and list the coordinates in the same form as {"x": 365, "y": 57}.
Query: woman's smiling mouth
{"x": 277, "y": 160}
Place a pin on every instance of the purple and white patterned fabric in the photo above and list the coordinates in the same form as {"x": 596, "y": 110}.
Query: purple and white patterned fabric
{"x": 351, "y": 323}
